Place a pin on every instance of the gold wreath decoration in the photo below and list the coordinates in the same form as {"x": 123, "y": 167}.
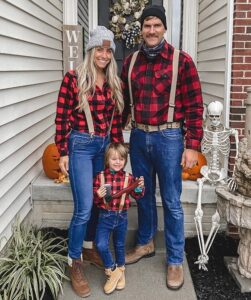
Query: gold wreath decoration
{"x": 125, "y": 22}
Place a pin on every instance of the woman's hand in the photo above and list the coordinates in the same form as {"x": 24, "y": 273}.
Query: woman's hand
{"x": 64, "y": 164}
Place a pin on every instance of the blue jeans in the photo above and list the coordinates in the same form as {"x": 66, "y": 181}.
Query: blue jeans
{"x": 160, "y": 152}
{"x": 86, "y": 158}
{"x": 115, "y": 223}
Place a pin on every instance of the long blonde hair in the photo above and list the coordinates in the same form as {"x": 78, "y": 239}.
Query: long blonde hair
{"x": 87, "y": 76}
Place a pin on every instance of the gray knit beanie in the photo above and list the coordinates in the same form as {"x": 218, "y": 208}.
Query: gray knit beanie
{"x": 101, "y": 37}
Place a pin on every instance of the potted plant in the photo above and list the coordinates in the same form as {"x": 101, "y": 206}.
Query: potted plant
{"x": 34, "y": 262}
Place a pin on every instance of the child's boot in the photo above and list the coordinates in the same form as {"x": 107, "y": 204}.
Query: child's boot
{"x": 121, "y": 282}
{"x": 112, "y": 279}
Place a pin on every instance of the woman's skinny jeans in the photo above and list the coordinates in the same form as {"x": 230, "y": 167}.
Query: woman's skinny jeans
{"x": 86, "y": 158}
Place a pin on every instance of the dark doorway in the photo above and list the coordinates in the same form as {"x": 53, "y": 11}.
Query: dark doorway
{"x": 103, "y": 19}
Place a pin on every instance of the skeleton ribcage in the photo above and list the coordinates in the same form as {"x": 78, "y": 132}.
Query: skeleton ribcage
{"x": 215, "y": 145}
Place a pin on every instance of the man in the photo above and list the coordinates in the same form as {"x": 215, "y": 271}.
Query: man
{"x": 157, "y": 136}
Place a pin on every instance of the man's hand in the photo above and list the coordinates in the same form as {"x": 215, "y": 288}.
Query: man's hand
{"x": 64, "y": 164}
{"x": 189, "y": 158}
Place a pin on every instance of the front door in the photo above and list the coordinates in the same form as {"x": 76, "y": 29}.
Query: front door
{"x": 121, "y": 50}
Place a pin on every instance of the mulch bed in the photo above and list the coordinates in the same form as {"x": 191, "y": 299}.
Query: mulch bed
{"x": 216, "y": 283}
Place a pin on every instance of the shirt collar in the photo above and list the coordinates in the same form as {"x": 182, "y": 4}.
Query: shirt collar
{"x": 112, "y": 172}
{"x": 166, "y": 51}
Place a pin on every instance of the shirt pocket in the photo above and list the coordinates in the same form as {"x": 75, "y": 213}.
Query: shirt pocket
{"x": 162, "y": 82}
{"x": 137, "y": 85}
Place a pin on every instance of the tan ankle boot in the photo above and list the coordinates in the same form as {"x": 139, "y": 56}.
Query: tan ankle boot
{"x": 139, "y": 252}
{"x": 175, "y": 277}
{"x": 113, "y": 278}
{"x": 121, "y": 282}
{"x": 92, "y": 256}
{"x": 78, "y": 280}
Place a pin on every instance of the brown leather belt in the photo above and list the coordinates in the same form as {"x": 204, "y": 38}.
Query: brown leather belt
{"x": 151, "y": 128}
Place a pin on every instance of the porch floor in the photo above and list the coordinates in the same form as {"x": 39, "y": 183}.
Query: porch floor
{"x": 145, "y": 280}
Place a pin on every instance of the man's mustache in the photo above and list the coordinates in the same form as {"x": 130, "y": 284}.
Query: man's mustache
{"x": 152, "y": 35}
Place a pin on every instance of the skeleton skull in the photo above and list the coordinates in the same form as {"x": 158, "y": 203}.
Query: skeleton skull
{"x": 214, "y": 110}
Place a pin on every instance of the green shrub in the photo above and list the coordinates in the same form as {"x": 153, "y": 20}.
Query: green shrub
{"x": 34, "y": 260}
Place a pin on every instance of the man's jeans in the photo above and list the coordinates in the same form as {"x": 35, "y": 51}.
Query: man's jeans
{"x": 115, "y": 223}
{"x": 86, "y": 158}
{"x": 160, "y": 152}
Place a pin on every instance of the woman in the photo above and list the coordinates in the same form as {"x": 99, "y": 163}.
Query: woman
{"x": 88, "y": 117}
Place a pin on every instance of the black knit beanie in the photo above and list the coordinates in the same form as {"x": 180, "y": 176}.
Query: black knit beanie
{"x": 154, "y": 11}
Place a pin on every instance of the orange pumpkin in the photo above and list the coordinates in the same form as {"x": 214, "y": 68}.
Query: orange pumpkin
{"x": 50, "y": 161}
{"x": 194, "y": 172}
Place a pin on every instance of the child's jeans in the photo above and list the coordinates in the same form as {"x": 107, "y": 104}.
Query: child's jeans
{"x": 115, "y": 223}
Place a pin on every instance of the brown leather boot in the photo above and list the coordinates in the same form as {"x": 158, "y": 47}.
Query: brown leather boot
{"x": 92, "y": 256}
{"x": 113, "y": 278}
{"x": 139, "y": 252}
{"x": 78, "y": 280}
{"x": 175, "y": 277}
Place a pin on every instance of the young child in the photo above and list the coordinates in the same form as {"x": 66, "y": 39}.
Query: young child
{"x": 113, "y": 213}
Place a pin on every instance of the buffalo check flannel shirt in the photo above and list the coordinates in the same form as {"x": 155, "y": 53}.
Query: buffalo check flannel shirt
{"x": 116, "y": 179}
{"x": 151, "y": 85}
{"x": 68, "y": 116}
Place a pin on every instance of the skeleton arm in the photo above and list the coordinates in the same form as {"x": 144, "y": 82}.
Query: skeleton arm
{"x": 231, "y": 182}
{"x": 236, "y": 137}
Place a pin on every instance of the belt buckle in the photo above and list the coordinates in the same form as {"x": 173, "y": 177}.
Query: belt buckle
{"x": 146, "y": 128}
{"x": 170, "y": 125}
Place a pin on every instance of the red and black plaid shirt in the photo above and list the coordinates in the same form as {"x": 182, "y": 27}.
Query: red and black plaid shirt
{"x": 151, "y": 85}
{"x": 68, "y": 116}
{"x": 116, "y": 179}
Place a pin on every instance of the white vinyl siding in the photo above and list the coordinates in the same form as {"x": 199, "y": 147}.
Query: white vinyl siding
{"x": 30, "y": 76}
{"x": 212, "y": 49}
{"x": 83, "y": 19}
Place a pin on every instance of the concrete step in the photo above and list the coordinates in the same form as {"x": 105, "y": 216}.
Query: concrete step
{"x": 44, "y": 188}
{"x": 52, "y": 206}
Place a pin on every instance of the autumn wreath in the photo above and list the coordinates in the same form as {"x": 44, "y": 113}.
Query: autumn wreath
{"x": 124, "y": 20}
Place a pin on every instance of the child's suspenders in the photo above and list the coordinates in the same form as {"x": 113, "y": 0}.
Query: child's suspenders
{"x": 122, "y": 200}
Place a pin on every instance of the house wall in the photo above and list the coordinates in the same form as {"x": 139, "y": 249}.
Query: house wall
{"x": 83, "y": 19}
{"x": 241, "y": 67}
{"x": 30, "y": 77}
{"x": 212, "y": 49}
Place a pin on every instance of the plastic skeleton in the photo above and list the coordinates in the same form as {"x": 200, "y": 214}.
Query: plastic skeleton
{"x": 216, "y": 146}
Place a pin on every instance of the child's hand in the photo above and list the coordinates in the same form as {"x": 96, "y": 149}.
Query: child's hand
{"x": 141, "y": 182}
{"x": 101, "y": 191}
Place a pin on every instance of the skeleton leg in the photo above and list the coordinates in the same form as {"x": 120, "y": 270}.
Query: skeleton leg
{"x": 214, "y": 229}
{"x": 203, "y": 258}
